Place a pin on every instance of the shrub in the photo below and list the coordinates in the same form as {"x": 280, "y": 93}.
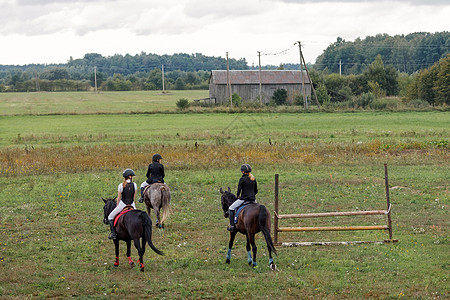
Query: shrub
{"x": 364, "y": 99}
{"x": 419, "y": 103}
{"x": 279, "y": 96}
{"x": 236, "y": 99}
{"x": 298, "y": 100}
{"x": 183, "y": 103}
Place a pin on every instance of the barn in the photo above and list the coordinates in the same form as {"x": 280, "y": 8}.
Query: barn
{"x": 245, "y": 83}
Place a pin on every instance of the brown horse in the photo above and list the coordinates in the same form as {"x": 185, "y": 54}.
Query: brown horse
{"x": 132, "y": 226}
{"x": 157, "y": 196}
{"x": 252, "y": 219}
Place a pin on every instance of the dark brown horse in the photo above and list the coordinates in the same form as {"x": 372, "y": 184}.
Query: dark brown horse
{"x": 131, "y": 226}
{"x": 252, "y": 219}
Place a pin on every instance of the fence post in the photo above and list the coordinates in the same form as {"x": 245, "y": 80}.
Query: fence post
{"x": 275, "y": 219}
{"x": 388, "y": 201}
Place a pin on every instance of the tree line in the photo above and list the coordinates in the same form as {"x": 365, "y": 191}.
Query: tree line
{"x": 118, "y": 72}
{"x": 376, "y": 71}
{"x": 406, "y": 53}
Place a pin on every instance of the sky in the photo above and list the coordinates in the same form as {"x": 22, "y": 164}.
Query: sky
{"x": 53, "y": 31}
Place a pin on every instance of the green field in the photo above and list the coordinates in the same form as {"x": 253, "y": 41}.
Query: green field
{"x": 56, "y": 167}
{"x": 89, "y": 102}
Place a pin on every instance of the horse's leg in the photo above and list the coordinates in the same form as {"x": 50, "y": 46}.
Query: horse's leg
{"x": 116, "y": 246}
{"x": 249, "y": 254}
{"x": 130, "y": 261}
{"x": 140, "y": 252}
{"x": 251, "y": 238}
{"x": 230, "y": 245}
{"x": 158, "y": 224}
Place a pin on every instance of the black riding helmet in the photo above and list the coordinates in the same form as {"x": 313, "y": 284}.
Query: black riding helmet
{"x": 156, "y": 157}
{"x": 128, "y": 172}
{"x": 246, "y": 168}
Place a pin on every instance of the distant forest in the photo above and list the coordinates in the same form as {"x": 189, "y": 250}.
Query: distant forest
{"x": 395, "y": 55}
{"x": 406, "y": 53}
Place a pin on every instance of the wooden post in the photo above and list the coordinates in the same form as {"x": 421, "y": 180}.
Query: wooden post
{"x": 229, "y": 83}
{"x": 259, "y": 73}
{"x": 275, "y": 217}
{"x": 388, "y": 201}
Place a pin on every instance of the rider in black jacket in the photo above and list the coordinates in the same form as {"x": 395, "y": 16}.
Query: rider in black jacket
{"x": 155, "y": 173}
{"x": 247, "y": 190}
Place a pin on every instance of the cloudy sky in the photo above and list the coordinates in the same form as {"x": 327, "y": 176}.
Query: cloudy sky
{"x": 52, "y": 31}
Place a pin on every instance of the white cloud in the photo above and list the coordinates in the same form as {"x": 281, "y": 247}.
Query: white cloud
{"x": 50, "y": 31}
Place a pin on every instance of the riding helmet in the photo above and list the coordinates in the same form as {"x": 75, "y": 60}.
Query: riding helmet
{"x": 156, "y": 157}
{"x": 128, "y": 172}
{"x": 246, "y": 168}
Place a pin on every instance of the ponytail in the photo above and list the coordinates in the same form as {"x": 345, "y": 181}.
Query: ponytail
{"x": 124, "y": 184}
{"x": 252, "y": 178}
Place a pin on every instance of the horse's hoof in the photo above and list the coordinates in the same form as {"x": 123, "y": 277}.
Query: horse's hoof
{"x": 273, "y": 267}
{"x": 142, "y": 269}
{"x": 116, "y": 265}
{"x": 227, "y": 261}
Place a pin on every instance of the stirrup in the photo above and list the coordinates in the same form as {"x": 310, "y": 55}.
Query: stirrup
{"x": 141, "y": 200}
{"x": 112, "y": 236}
{"x": 231, "y": 228}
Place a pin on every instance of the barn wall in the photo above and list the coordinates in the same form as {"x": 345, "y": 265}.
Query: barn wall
{"x": 250, "y": 92}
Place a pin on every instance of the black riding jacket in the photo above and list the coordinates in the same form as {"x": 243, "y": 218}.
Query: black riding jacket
{"x": 128, "y": 194}
{"x": 247, "y": 189}
{"x": 155, "y": 173}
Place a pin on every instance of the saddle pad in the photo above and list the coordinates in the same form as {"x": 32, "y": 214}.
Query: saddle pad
{"x": 124, "y": 211}
{"x": 236, "y": 216}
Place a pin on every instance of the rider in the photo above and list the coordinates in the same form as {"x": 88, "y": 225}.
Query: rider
{"x": 247, "y": 189}
{"x": 125, "y": 196}
{"x": 155, "y": 173}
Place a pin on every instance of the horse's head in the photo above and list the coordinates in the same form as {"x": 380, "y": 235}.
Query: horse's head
{"x": 110, "y": 204}
{"x": 227, "y": 199}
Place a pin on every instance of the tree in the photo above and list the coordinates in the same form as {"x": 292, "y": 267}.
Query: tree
{"x": 386, "y": 78}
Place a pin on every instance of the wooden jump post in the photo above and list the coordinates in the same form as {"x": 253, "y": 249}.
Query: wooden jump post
{"x": 387, "y": 212}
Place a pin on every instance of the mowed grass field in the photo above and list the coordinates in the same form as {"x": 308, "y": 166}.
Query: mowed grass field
{"x": 56, "y": 167}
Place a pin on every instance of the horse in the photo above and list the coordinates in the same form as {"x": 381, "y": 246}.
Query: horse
{"x": 157, "y": 196}
{"x": 133, "y": 225}
{"x": 252, "y": 219}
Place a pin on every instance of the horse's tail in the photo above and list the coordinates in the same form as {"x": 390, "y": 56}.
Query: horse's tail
{"x": 263, "y": 220}
{"x": 165, "y": 202}
{"x": 147, "y": 225}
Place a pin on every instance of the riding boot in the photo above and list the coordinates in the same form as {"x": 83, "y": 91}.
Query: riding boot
{"x": 142, "y": 195}
{"x": 231, "y": 227}
{"x": 113, "y": 234}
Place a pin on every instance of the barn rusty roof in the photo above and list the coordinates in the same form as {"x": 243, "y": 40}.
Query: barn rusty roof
{"x": 252, "y": 77}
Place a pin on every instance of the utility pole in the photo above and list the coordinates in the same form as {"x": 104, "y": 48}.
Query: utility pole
{"x": 305, "y": 101}
{"x": 37, "y": 82}
{"x": 340, "y": 67}
{"x": 95, "y": 78}
{"x": 260, "y": 83}
{"x": 310, "y": 81}
{"x": 162, "y": 68}
{"x": 229, "y": 82}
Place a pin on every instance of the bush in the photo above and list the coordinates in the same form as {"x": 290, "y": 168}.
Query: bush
{"x": 419, "y": 103}
{"x": 298, "y": 100}
{"x": 279, "y": 96}
{"x": 236, "y": 99}
{"x": 183, "y": 103}
{"x": 385, "y": 103}
{"x": 364, "y": 100}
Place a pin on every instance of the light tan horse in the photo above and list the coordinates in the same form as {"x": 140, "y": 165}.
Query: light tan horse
{"x": 157, "y": 196}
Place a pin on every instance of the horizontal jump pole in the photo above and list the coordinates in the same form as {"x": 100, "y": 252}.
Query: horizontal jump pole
{"x": 299, "y": 244}
{"x": 333, "y": 214}
{"x": 336, "y": 228}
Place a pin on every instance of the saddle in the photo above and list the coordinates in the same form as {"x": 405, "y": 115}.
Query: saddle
{"x": 124, "y": 211}
{"x": 240, "y": 208}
